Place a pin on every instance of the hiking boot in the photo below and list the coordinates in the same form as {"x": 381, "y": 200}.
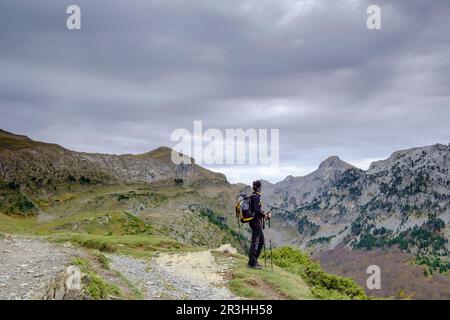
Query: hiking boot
{"x": 256, "y": 266}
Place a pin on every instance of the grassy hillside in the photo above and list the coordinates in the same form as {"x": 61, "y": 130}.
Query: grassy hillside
{"x": 140, "y": 220}
{"x": 189, "y": 216}
{"x": 265, "y": 284}
{"x": 15, "y": 142}
{"x": 294, "y": 276}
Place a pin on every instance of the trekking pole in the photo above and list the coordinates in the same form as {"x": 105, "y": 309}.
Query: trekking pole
{"x": 270, "y": 245}
{"x": 240, "y": 239}
{"x": 240, "y": 234}
{"x": 265, "y": 255}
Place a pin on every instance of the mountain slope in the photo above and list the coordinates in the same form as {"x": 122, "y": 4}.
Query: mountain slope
{"x": 37, "y": 166}
{"x": 68, "y": 191}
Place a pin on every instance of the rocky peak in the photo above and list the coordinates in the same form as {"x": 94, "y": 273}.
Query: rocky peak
{"x": 334, "y": 163}
{"x": 160, "y": 152}
{"x": 289, "y": 178}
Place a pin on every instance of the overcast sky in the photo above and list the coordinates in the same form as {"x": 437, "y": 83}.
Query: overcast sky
{"x": 139, "y": 69}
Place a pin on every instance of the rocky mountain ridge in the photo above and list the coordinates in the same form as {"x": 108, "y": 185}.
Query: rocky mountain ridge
{"x": 41, "y": 166}
{"x": 339, "y": 202}
{"x": 292, "y": 192}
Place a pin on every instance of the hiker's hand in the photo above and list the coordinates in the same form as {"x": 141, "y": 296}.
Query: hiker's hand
{"x": 268, "y": 215}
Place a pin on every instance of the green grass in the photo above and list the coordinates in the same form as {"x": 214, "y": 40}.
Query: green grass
{"x": 103, "y": 260}
{"x": 10, "y": 224}
{"x": 100, "y": 223}
{"x": 135, "y": 245}
{"x": 294, "y": 277}
{"x": 265, "y": 284}
{"x": 322, "y": 284}
{"x": 95, "y": 285}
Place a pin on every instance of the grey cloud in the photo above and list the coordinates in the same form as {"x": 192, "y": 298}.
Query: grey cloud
{"x": 139, "y": 69}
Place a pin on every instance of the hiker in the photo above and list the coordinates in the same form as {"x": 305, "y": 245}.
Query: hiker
{"x": 257, "y": 224}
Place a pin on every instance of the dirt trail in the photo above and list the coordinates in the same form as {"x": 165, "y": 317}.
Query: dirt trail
{"x": 27, "y": 265}
{"x": 194, "y": 275}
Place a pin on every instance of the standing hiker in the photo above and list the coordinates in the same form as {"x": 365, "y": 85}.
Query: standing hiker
{"x": 256, "y": 224}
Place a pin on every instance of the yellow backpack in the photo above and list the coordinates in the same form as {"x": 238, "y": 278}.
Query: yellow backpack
{"x": 244, "y": 212}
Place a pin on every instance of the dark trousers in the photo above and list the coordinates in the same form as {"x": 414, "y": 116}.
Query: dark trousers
{"x": 257, "y": 243}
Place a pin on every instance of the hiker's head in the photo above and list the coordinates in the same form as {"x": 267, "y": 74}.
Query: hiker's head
{"x": 257, "y": 186}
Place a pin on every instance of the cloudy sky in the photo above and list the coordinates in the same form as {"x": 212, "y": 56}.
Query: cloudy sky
{"x": 137, "y": 70}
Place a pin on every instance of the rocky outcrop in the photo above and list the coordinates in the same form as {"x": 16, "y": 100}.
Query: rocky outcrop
{"x": 67, "y": 286}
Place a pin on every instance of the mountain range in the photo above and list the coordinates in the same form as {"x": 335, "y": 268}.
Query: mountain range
{"x": 400, "y": 204}
{"x": 339, "y": 203}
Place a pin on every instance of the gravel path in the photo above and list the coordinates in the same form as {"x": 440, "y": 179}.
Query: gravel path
{"x": 26, "y": 265}
{"x": 193, "y": 276}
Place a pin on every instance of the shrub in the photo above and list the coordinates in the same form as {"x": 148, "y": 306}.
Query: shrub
{"x": 323, "y": 285}
{"x": 24, "y": 205}
{"x": 320, "y": 240}
{"x": 13, "y": 202}
{"x": 304, "y": 226}
{"x": 121, "y": 197}
{"x": 84, "y": 180}
{"x": 14, "y": 185}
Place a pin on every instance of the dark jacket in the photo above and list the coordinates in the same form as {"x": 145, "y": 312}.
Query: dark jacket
{"x": 257, "y": 211}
